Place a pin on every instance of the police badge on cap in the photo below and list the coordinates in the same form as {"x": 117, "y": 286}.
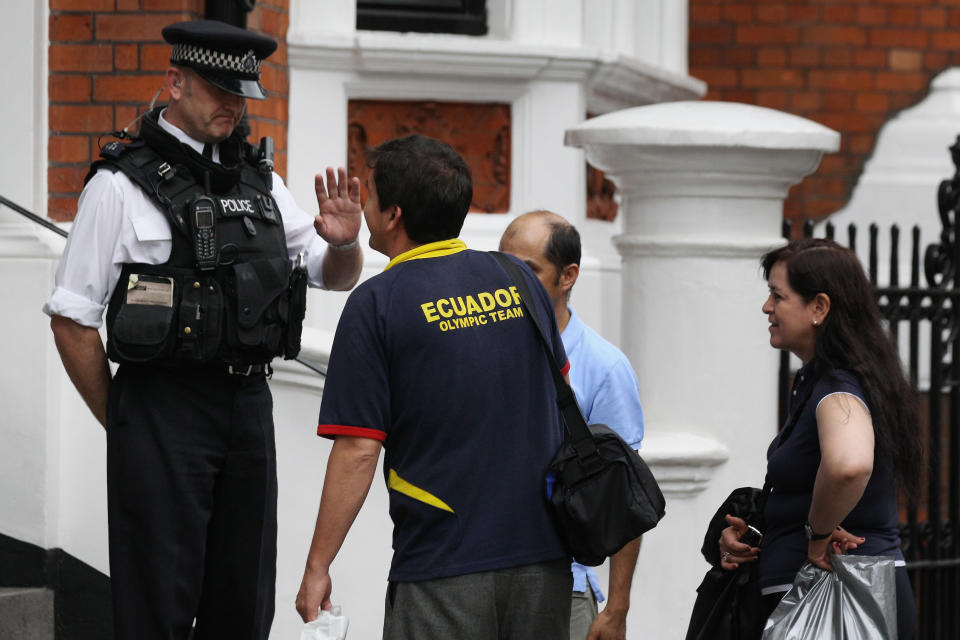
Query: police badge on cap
{"x": 226, "y": 56}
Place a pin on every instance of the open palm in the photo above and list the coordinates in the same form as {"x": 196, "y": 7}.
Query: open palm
{"x": 338, "y": 221}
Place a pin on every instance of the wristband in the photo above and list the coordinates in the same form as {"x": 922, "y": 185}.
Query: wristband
{"x": 343, "y": 247}
{"x": 812, "y": 536}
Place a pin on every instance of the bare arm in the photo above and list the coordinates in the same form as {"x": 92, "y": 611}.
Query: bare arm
{"x": 85, "y": 361}
{"x": 611, "y": 623}
{"x": 338, "y": 222}
{"x": 846, "y": 464}
{"x": 350, "y": 470}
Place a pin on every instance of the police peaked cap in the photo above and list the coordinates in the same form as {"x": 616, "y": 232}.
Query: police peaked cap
{"x": 226, "y": 56}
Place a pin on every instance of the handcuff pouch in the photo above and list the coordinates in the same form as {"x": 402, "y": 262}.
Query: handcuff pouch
{"x": 261, "y": 307}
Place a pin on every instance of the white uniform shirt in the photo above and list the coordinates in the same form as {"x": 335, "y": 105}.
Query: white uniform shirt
{"x": 117, "y": 223}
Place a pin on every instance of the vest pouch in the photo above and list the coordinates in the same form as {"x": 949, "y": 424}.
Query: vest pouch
{"x": 142, "y": 328}
{"x": 200, "y": 319}
{"x": 297, "y": 296}
{"x": 262, "y": 306}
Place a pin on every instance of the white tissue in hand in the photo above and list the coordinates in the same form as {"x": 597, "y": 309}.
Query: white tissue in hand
{"x": 329, "y": 625}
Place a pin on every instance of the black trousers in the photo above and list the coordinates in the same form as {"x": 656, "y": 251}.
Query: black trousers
{"x": 192, "y": 504}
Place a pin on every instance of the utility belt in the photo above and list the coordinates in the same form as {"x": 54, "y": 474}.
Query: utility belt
{"x": 240, "y": 315}
{"x": 204, "y": 371}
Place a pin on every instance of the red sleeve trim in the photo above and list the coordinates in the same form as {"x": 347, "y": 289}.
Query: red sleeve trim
{"x": 331, "y": 430}
{"x": 566, "y": 368}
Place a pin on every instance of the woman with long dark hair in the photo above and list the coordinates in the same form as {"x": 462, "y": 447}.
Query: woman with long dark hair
{"x": 855, "y": 438}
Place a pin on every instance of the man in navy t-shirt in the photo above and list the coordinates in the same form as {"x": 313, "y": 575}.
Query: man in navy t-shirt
{"x": 435, "y": 360}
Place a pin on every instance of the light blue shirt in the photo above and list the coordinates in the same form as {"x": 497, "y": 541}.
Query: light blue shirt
{"x": 606, "y": 390}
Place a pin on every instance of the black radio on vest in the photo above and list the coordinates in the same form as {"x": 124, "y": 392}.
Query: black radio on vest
{"x": 265, "y": 160}
{"x": 205, "y": 240}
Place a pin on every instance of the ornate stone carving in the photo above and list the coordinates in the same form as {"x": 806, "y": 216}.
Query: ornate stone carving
{"x": 601, "y": 195}
{"x": 480, "y": 132}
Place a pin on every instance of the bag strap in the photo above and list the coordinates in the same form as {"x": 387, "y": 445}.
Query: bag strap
{"x": 573, "y": 419}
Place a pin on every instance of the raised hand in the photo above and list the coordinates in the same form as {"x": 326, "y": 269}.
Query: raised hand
{"x": 338, "y": 220}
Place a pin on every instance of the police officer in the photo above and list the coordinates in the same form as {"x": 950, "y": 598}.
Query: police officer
{"x": 200, "y": 256}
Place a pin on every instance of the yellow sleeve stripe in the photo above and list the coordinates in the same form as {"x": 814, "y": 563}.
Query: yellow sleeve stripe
{"x": 400, "y": 485}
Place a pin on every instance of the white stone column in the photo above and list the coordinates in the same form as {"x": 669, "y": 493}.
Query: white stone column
{"x": 28, "y": 456}
{"x": 702, "y": 186}
{"x": 331, "y": 18}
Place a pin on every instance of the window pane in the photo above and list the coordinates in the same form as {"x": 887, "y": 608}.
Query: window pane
{"x": 465, "y": 17}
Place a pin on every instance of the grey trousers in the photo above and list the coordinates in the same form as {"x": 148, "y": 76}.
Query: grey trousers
{"x": 583, "y": 609}
{"x": 531, "y": 602}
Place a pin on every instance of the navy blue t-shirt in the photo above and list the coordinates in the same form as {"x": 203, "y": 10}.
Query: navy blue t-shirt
{"x": 436, "y": 358}
{"x": 792, "y": 469}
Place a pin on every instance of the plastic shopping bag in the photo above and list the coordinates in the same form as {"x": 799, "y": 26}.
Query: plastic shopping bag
{"x": 329, "y": 625}
{"x": 857, "y": 601}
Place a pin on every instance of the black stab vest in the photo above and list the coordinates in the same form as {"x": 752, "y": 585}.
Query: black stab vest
{"x": 247, "y": 308}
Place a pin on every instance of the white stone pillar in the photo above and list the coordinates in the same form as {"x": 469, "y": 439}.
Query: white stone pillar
{"x": 702, "y": 186}
{"x": 658, "y": 29}
{"x": 28, "y": 430}
{"x": 310, "y": 19}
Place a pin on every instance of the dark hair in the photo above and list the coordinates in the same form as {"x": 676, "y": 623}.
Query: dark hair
{"x": 852, "y": 337}
{"x": 563, "y": 245}
{"x": 428, "y": 180}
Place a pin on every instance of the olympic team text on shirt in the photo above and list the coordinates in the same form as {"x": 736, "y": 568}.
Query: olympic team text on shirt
{"x": 470, "y": 311}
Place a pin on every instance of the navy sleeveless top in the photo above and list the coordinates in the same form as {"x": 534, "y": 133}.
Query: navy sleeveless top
{"x": 792, "y": 469}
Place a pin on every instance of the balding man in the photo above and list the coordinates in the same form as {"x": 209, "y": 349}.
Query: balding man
{"x": 606, "y": 390}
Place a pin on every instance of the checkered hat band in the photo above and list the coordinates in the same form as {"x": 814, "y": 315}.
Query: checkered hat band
{"x": 216, "y": 60}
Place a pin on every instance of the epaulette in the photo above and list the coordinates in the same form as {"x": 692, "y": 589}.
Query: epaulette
{"x": 115, "y": 149}
{"x": 111, "y": 152}
{"x": 147, "y": 170}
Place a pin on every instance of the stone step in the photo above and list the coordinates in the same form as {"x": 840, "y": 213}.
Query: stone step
{"x": 26, "y": 613}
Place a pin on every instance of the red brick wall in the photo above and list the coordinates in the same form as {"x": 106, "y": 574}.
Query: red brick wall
{"x": 269, "y": 117}
{"x": 848, "y": 64}
{"x": 107, "y": 60}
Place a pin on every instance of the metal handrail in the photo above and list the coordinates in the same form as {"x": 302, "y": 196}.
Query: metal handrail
{"x": 46, "y": 224}
{"x": 43, "y": 222}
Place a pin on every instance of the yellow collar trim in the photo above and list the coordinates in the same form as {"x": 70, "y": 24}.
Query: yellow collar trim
{"x": 430, "y": 250}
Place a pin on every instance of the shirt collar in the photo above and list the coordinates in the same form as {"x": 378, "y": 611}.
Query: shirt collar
{"x": 572, "y": 333}
{"x": 180, "y": 135}
{"x": 802, "y": 376}
{"x": 430, "y": 250}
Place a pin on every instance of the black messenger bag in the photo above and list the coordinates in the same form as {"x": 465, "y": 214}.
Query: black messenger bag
{"x": 604, "y": 495}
